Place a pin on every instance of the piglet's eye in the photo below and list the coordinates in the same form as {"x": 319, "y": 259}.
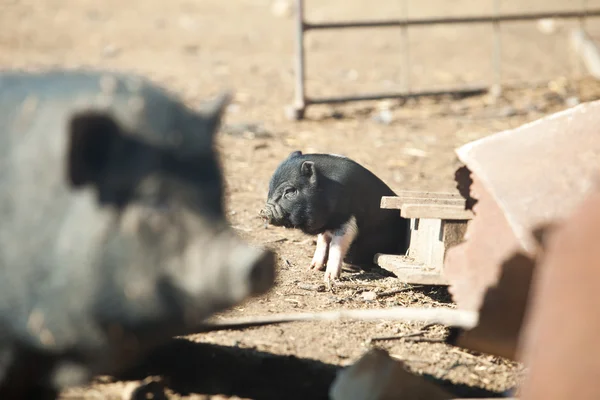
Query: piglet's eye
{"x": 289, "y": 192}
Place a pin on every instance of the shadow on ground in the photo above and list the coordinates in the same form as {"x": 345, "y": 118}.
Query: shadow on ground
{"x": 188, "y": 367}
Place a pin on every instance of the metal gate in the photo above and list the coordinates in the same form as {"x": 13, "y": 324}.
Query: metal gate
{"x": 302, "y": 100}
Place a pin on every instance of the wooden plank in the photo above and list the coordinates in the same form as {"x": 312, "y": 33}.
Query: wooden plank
{"x": 435, "y": 211}
{"x": 396, "y": 202}
{"x": 409, "y": 272}
{"x": 427, "y": 194}
{"x": 426, "y": 246}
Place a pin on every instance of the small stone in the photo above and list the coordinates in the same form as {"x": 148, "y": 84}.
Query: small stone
{"x": 352, "y": 75}
{"x": 110, "y": 51}
{"x": 508, "y": 111}
{"x": 369, "y": 296}
{"x": 397, "y": 163}
{"x": 247, "y": 131}
{"x": 546, "y": 25}
{"x": 233, "y": 108}
{"x": 559, "y": 86}
{"x": 414, "y": 152}
{"x": 399, "y": 177}
{"x": 282, "y": 8}
{"x": 384, "y": 117}
{"x": 572, "y": 101}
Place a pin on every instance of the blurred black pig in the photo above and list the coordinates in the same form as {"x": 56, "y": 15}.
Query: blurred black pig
{"x": 338, "y": 200}
{"x": 113, "y": 236}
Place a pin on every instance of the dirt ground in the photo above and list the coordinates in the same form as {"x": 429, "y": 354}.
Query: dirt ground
{"x": 200, "y": 47}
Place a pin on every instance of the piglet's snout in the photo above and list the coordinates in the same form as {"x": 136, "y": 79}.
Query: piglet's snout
{"x": 268, "y": 212}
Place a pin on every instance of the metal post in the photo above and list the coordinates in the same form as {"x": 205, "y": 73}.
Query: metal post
{"x": 497, "y": 53}
{"x": 580, "y": 63}
{"x": 406, "y": 48}
{"x": 296, "y": 111}
{"x": 452, "y": 20}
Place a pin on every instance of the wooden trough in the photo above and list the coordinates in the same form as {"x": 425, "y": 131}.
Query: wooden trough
{"x": 438, "y": 221}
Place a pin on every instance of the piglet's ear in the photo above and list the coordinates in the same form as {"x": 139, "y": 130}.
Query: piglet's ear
{"x": 295, "y": 154}
{"x": 308, "y": 169}
{"x": 92, "y": 136}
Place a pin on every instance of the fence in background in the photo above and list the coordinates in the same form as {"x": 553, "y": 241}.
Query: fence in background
{"x": 302, "y": 100}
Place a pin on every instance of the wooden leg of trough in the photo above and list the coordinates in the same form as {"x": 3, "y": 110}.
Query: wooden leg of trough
{"x": 430, "y": 238}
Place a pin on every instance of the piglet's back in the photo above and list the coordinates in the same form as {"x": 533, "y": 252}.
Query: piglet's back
{"x": 351, "y": 175}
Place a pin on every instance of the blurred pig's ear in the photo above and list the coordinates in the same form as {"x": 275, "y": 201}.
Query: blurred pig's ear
{"x": 308, "y": 169}
{"x": 295, "y": 154}
{"x": 213, "y": 111}
{"x": 91, "y": 138}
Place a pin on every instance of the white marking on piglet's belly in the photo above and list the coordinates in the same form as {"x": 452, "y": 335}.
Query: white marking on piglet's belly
{"x": 338, "y": 248}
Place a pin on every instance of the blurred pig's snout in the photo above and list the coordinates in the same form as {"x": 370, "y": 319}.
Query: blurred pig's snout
{"x": 255, "y": 269}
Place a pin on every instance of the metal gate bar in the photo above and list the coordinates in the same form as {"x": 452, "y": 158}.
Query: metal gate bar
{"x": 302, "y": 101}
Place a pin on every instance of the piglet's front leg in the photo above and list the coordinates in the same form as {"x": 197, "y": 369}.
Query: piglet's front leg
{"x": 340, "y": 244}
{"x": 319, "y": 259}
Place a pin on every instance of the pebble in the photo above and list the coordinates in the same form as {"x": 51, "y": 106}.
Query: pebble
{"x": 572, "y": 101}
{"x": 508, "y": 111}
{"x": 110, "y": 51}
{"x": 412, "y": 151}
{"x": 282, "y": 8}
{"x": 547, "y": 25}
{"x": 352, "y": 75}
{"x": 233, "y": 108}
{"x": 247, "y": 131}
{"x": 369, "y": 296}
{"x": 383, "y": 117}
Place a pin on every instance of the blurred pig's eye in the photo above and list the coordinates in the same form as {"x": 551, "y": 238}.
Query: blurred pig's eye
{"x": 290, "y": 192}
